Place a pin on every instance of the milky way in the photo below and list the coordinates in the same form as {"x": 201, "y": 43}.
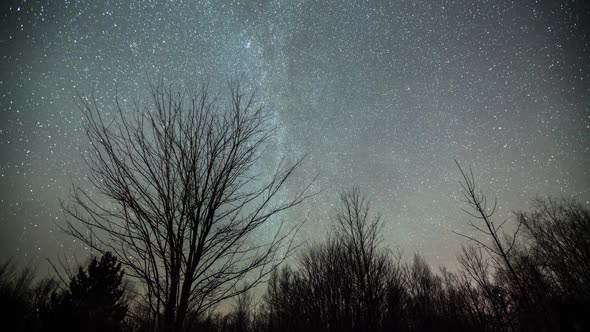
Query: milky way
{"x": 379, "y": 94}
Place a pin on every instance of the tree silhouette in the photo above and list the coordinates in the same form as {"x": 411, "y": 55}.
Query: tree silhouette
{"x": 558, "y": 233}
{"x": 94, "y": 300}
{"x": 554, "y": 263}
{"x": 498, "y": 250}
{"x": 359, "y": 233}
{"x": 183, "y": 197}
{"x": 341, "y": 284}
{"x": 538, "y": 278}
{"x": 241, "y": 317}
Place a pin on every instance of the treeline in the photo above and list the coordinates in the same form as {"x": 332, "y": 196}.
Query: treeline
{"x": 538, "y": 279}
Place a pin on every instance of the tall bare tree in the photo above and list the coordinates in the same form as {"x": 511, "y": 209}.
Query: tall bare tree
{"x": 498, "y": 250}
{"x": 177, "y": 199}
{"x": 359, "y": 233}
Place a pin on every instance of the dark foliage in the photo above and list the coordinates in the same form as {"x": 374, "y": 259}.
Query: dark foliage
{"x": 94, "y": 301}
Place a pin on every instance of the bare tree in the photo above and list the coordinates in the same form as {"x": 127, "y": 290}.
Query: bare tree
{"x": 176, "y": 196}
{"x": 243, "y": 311}
{"x": 488, "y": 299}
{"x": 502, "y": 251}
{"x": 359, "y": 233}
{"x": 558, "y": 233}
{"x": 498, "y": 251}
{"x": 343, "y": 284}
{"x": 554, "y": 262}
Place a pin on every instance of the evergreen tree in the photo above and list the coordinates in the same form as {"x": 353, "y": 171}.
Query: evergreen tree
{"x": 95, "y": 299}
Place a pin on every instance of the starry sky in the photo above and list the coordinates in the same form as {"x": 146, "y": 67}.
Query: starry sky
{"x": 379, "y": 94}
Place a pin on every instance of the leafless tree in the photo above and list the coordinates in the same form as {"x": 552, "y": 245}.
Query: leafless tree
{"x": 558, "y": 232}
{"x": 176, "y": 196}
{"x": 488, "y": 299}
{"x": 499, "y": 251}
{"x": 554, "y": 262}
{"x": 359, "y": 233}
{"x": 241, "y": 318}
{"x": 343, "y": 284}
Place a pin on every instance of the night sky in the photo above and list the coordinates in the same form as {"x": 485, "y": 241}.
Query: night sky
{"x": 379, "y": 94}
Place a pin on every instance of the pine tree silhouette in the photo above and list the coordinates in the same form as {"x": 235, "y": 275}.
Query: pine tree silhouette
{"x": 94, "y": 300}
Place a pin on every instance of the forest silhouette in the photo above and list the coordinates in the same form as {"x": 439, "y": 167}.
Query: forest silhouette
{"x": 174, "y": 242}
